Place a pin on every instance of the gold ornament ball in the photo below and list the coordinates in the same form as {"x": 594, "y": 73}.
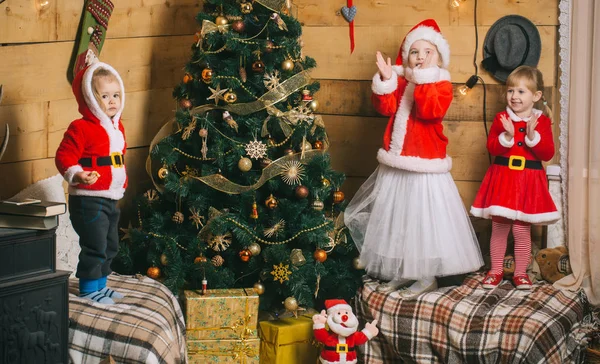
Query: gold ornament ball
{"x": 258, "y": 66}
{"x": 230, "y": 97}
{"x": 301, "y": 191}
{"x": 153, "y": 272}
{"x": 203, "y": 133}
{"x": 271, "y": 202}
{"x": 318, "y": 205}
{"x": 259, "y": 288}
{"x": 207, "y": 75}
{"x": 187, "y": 78}
{"x": 320, "y": 255}
{"x": 325, "y": 182}
{"x": 246, "y": 8}
{"x": 318, "y": 144}
{"x": 200, "y": 259}
{"x": 185, "y": 103}
{"x": 238, "y": 26}
{"x": 288, "y": 151}
{"x": 217, "y": 260}
{"x": 291, "y": 304}
{"x": 313, "y": 105}
{"x": 338, "y": 196}
{"x": 177, "y": 217}
{"x": 245, "y": 255}
{"x": 254, "y": 249}
{"x": 163, "y": 259}
{"x": 221, "y": 20}
{"x": 306, "y": 146}
{"x": 287, "y": 65}
{"x": 163, "y": 172}
{"x": 245, "y": 164}
{"x": 357, "y": 264}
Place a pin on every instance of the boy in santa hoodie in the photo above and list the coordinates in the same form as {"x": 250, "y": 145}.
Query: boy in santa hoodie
{"x": 91, "y": 159}
{"x": 407, "y": 219}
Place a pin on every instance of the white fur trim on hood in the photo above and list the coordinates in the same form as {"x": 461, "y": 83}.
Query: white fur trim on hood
{"x": 431, "y": 35}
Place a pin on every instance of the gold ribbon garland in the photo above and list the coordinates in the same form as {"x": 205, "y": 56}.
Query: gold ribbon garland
{"x": 270, "y": 98}
{"x": 221, "y": 183}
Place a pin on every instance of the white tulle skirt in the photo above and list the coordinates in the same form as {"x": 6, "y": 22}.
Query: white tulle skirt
{"x": 410, "y": 225}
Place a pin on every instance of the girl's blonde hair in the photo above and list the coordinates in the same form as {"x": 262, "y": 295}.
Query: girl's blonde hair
{"x": 533, "y": 80}
{"x": 98, "y": 74}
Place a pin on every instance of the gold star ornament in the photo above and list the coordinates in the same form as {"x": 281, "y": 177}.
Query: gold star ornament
{"x": 217, "y": 94}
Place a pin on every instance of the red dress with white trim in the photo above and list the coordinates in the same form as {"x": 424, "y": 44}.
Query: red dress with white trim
{"x": 515, "y": 185}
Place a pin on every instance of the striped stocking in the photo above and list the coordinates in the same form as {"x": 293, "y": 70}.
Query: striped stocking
{"x": 498, "y": 245}
{"x": 522, "y": 234}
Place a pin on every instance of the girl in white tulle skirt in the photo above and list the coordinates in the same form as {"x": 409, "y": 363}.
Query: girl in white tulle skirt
{"x": 407, "y": 219}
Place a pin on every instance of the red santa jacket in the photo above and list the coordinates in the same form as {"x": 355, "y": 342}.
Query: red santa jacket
{"x": 94, "y": 136}
{"x": 416, "y": 102}
{"x": 346, "y": 351}
{"x": 540, "y": 148}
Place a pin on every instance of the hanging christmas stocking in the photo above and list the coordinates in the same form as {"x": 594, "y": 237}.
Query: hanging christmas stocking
{"x": 92, "y": 33}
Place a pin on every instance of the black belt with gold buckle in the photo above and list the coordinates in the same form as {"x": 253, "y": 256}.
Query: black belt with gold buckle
{"x": 518, "y": 163}
{"x": 116, "y": 160}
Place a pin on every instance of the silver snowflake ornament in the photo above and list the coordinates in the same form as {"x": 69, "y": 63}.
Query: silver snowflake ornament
{"x": 256, "y": 149}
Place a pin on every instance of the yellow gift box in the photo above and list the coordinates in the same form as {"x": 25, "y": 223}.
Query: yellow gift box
{"x": 221, "y": 314}
{"x": 288, "y": 341}
{"x": 223, "y": 351}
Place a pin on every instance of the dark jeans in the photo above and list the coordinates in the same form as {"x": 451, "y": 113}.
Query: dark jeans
{"x": 95, "y": 219}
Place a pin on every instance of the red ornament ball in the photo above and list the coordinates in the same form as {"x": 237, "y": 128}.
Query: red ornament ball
{"x": 153, "y": 272}
{"x": 318, "y": 144}
{"x": 185, "y": 104}
{"x": 338, "y": 196}
{"x": 320, "y": 255}
{"x": 302, "y": 191}
{"x": 258, "y": 66}
{"x": 238, "y": 26}
{"x": 245, "y": 255}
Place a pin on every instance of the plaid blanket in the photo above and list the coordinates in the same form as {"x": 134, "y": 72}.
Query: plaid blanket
{"x": 468, "y": 324}
{"x": 146, "y": 326}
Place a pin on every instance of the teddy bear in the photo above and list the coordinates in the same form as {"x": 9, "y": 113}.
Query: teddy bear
{"x": 554, "y": 263}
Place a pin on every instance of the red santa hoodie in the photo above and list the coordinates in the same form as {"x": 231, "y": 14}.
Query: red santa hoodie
{"x": 94, "y": 136}
{"x": 416, "y": 101}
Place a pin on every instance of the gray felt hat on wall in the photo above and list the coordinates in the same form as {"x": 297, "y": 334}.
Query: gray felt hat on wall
{"x": 512, "y": 41}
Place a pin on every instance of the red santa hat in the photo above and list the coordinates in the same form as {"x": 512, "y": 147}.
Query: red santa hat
{"x": 335, "y": 305}
{"x": 426, "y": 30}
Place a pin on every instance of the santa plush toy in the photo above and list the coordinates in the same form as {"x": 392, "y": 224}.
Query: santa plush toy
{"x": 342, "y": 338}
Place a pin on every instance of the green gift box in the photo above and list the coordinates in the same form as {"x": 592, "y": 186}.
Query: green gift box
{"x": 221, "y": 314}
{"x": 243, "y": 351}
{"x": 288, "y": 341}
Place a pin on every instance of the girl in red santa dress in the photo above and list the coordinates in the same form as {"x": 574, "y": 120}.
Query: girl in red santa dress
{"x": 408, "y": 219}
{"x": 91, "y": 159}
{"x": 514, "y": 192}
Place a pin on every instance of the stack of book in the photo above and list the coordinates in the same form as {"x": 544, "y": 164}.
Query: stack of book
{"x": 30, "y": 214}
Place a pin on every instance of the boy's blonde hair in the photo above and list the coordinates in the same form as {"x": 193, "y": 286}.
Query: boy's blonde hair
{"x": 99, "y": 74}
{"x": 533, "y": 80}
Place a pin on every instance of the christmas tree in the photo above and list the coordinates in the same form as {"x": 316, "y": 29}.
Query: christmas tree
{"x": 244, "y": 191}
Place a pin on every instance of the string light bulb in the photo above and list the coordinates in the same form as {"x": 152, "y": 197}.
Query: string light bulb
{"x": 454, "y": 4}
{"x": 464, "y": 89}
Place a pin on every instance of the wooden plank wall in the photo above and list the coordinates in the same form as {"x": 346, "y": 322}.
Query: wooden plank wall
{"x": 148, "y": 41}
